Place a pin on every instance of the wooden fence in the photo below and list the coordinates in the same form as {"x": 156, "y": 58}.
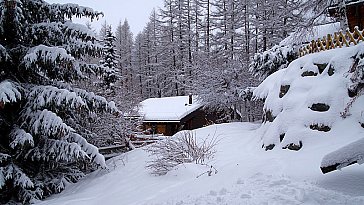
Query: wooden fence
{"x": 339, "y": 39}
{"x": 138, "y": 140}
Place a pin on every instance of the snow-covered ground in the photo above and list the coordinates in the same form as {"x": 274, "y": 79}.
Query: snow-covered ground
{"x": 306, "y": 102}
{"x": 246, "y": 175}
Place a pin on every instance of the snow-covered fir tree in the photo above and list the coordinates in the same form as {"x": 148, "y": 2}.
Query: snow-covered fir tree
{"x": 108, "y": 129}
{"x": 42, "y": 144}
{"x": 111, "y": 72}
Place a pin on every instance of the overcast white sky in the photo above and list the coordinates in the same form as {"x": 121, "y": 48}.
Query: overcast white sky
{"x": 136, "y": 11}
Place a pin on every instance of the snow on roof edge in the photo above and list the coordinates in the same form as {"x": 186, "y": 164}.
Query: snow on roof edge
{"x": 168, "y": 109}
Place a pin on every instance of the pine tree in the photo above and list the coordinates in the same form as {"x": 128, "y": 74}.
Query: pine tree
{"x": 111, "y": 72}
{"x": 42, "y": 143}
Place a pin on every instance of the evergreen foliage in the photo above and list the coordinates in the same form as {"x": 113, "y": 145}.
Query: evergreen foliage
{"x": 42, "y": 146}
{"x": 109, "y": 62}
{"x": 268, "y": 62}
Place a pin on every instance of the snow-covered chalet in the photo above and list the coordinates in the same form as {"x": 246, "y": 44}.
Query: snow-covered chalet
{"x": 169, "y": 115}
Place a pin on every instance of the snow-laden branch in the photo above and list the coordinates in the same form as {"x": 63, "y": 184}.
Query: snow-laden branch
{"x": 268, "y": 62}
{"x": 247, "y": 93}
{"x": 89, "y": 68}
{"x": 57, "y": 150}
{"x": 47, "y": 32}
{"x": 80, "y": 48}
{"x": 4, "y": 56}
{"x": 70, "y": 10}
{"x": 45, "y": 123}
{"x": 77, "y": 37}
{"x": 49, "y": 96}
{"x": 95, "y": 102}
{"x": 51, "y": 62}
{"x": 91, "y": 150}
{"x": 9, "y": 92}
{"x": 4, "y": 157}
{"x": 78, "y": 31}
{"x": 19, "y": 178}
{"x": 20, "y": 138}
{"x": 45, "y": 54}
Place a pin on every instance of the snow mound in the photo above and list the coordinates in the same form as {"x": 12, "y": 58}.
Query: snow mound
{"x": 304, "y": 103}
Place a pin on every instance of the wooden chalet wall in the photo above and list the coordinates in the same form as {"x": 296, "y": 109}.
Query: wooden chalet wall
{"x": 355, "y": 15}
{"x": 165, "y": 128}
{"x": 194, "y": 120}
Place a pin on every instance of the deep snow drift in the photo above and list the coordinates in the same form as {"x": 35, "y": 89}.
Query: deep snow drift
{"x": 246, "y": 175}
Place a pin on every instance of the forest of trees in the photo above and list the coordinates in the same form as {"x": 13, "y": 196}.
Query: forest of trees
{"x": 206, "y": 47}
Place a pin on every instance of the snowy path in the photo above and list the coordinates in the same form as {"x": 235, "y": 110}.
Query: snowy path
{"x": 266, "y": 189}
{"x": 246, "y": 175}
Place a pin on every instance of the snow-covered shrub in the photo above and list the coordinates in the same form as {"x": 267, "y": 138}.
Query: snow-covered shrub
{"x": 300, "y": 109}
{"x": 183, "y": 147}
{"x": 268, "y": 62}
{"x": 250, "y": 109}
{"x": 356, "y": 88}
{"x": 247, "y": 93}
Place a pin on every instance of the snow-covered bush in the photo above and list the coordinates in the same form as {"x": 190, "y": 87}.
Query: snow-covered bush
{"x": 356, "y": 88}
{"x": 183, "y": 147}
{"x": 250, "y": 109}
{"x": 306, "y": 101}
{"x": 268, "y": 62}
{"x": 43, "y": 146}
{"x": 247, "y": 93}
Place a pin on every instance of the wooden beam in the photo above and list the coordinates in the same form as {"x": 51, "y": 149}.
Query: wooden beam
{"x": 334, "y": 167}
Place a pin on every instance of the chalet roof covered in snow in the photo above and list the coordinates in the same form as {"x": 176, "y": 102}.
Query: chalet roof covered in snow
{"x": 168, "y": 108}
{"x": 336, "y": 2}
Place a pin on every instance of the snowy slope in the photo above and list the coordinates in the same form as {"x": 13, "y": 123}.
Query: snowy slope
{"x": 246, "y": 175}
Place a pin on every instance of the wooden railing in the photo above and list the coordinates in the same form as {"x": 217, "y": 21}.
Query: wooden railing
{"x": 338, "y": 40}
{"x": 137, "y": 141}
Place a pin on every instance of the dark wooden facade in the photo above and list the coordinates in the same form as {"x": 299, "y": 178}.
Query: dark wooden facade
{"x": 354, "y": 13}
{"x": 194, "y": 120}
